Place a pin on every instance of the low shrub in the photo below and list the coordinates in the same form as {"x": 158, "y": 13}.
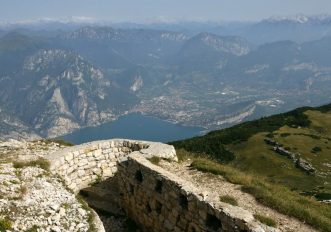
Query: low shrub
{"x": 266, "y": 220}
{"x": 59, "y": 141}
{"x": 284, "y": 135}
{"x": 155, "y": 160}
{"x": 41, "y": 162}
{"x": 5, "y": 224}
{"x": 229, "y": 199}
{"x": 316, "y": 149}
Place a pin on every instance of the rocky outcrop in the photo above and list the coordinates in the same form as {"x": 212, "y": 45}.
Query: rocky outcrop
{"x": 60, "y": 92}
{"x": 295, "y": 157}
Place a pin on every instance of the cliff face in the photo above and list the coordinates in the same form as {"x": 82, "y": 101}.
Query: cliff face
{"x": 59, "y": 91}
{"x": 12, "y": 127}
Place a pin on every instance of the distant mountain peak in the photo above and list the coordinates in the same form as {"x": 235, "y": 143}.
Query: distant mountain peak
{"x": 230, "y": 44}
{"x": 93, "y": 32}
{"x": 300, "y": 19}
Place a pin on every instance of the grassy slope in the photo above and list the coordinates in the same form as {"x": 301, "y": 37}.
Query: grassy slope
{"x": 299, "y": 131}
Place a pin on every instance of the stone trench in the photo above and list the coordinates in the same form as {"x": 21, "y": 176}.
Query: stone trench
{"x": 117, "y": 180}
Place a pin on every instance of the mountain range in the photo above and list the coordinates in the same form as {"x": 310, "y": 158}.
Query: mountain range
{"x": 55, "y": 82}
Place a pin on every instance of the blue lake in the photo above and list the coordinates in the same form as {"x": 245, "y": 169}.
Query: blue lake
{"x": 135, "y": 126}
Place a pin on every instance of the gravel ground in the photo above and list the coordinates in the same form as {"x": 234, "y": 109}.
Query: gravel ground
{"x": 31, "y": 198}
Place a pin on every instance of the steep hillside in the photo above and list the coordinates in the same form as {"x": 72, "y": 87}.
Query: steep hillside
{"x": 290, "y": 151}
{"x": 60, "y": 91}
{"x": 12, "y": 127}
{"x": 208, "y": 51}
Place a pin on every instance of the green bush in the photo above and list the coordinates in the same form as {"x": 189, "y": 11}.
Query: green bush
{"x": 41, "y": 162}
{"x": 285, "y": 135}
{"x": 155, "y": 160}
{"x": 5, "y": 224}
{"x": 325, "y": 108}
{"x": 316, "y": 149}
{"x": 59, "y": 141}
{"x": 266, "y": 220}
{"x": 229, "y": 199}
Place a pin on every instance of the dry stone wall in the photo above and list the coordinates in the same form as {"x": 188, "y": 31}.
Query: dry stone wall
{"x": 161, "y": 201}
{"x": 84, "y": 164}
{"x": 156, "y": 199}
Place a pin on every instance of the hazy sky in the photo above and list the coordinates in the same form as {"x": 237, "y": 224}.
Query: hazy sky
{"x": 159, "y": 10}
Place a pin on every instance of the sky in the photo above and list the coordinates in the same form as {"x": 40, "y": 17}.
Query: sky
{"x": 159, "y": 10}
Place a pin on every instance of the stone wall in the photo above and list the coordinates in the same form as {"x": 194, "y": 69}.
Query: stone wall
{"x": 156, "y": 199}
{"x": 160, "y": 201}
{"x": 84, "y": 164}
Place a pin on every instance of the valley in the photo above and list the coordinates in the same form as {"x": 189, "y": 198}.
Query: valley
{"x": 53, "y": 84}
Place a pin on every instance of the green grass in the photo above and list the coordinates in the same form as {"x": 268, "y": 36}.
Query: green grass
{"x": 97, "y": 181}
{"x": 214, "y": 143}
{"x": 275, "y": 196}
{"x": 312, "y": 145}
{"x": 229, "y": 199}
{"x": 257, "y": 157}
{"x": 240, "y": 154}
{"x": 5, "y": 224}
{"x": 59, "y": 141}
{"x": 155, "y": 160}
{"x": 266, "y": 220}
{"x": 183, "y": 155}
{"x": 41, "y": 162}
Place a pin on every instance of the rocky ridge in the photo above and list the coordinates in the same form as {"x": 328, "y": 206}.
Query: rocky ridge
{"x": 295, "y": 157}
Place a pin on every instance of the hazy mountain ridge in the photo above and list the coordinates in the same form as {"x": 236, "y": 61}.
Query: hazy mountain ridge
{"x": 207, "y": 51}
{"x": 234, "y": 45}
{"x": 121, "y": 48}
{"x": 299, "y": 29}
{"x": 95, "y": 74}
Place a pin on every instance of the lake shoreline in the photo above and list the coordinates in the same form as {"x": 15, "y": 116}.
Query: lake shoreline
{"x": 135, "y": 126}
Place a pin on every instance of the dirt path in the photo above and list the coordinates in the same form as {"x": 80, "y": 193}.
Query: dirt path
{"x": 215, "y": 186}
